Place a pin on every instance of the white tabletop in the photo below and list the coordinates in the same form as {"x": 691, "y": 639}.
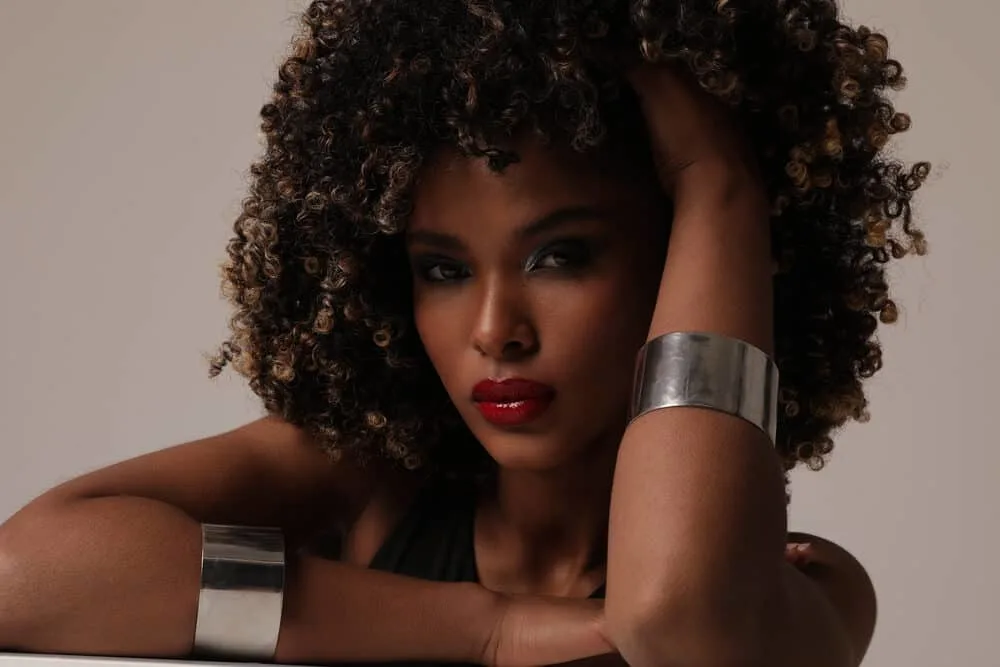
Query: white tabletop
{"x": 29, "y": 660}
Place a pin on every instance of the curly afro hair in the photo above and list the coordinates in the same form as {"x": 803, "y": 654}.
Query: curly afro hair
{"x": 373, "y": 89}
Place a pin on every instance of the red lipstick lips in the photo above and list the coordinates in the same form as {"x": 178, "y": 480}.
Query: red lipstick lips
{"x": 512, "y": 402}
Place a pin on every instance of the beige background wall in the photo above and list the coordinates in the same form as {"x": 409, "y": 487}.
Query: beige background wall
{"x": 125, "y": 129}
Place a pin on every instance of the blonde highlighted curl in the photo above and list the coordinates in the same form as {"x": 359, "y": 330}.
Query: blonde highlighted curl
{"x": 322, "y": 326}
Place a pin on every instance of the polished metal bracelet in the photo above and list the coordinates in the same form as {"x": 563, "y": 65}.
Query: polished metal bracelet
{"x": 242, "y": 590}
{"x": 709, "y": 371}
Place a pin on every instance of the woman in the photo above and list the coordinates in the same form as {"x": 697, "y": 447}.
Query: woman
{"x": 470, "y": 218}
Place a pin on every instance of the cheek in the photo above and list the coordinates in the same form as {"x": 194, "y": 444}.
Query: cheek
{"x": 598, "y": 330}
{"x": 437, "y": 320}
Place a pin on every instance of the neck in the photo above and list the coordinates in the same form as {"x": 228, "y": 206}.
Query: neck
{"x": 548, "y": 529}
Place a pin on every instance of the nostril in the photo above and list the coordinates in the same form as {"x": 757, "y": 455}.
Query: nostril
{"x": 513, "y": 347}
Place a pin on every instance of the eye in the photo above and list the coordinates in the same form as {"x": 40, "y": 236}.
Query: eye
{"x": 442, "y": 272}
{"x": 570, "y": 254}
{"x": 438, "y": 270}
{"x": 552, "y": 260}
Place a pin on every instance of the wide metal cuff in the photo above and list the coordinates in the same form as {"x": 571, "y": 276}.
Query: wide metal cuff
{"x": 242, "y": 590}
{"x": 707, "y": 370}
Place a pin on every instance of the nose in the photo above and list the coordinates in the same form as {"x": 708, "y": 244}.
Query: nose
{"x": 504, "y": 329}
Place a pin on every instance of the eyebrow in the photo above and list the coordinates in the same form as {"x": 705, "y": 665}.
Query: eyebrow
{"x": 547, "y": 223}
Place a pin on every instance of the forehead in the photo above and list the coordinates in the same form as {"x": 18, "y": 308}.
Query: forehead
{"x": 455, "y": 190}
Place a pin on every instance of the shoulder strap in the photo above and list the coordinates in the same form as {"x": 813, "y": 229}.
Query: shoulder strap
{"x": 434, "y": 539}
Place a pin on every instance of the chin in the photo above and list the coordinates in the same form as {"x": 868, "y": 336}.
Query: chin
{"x": 530, "y": 452}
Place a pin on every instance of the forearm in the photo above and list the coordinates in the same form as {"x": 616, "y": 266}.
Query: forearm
{"x": 120, "y": 576}
{"x": 337, "y": 613}
{"x": 698, "y": 514}
{"x": 718, "y": 276}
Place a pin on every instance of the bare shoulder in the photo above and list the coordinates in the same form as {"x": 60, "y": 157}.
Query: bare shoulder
{"x": 289, "y": 451}
{"x": 845, "y": 583}
{"x": 266, "y": 472}
{"x": 356, "y": 489}
{"x": 370, "y": 500}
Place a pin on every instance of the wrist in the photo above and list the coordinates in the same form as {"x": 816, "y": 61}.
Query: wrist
{"x": 486, "y": 611}
{"x": 722, "y": 187}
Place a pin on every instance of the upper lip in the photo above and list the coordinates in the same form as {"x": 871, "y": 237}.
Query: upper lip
{"x": 509, "y": 390}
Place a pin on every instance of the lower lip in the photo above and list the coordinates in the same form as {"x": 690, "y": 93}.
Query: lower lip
{"x": 514, "y": 413}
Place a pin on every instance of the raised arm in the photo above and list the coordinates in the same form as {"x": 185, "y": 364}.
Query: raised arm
{"x": 696, "y": 566}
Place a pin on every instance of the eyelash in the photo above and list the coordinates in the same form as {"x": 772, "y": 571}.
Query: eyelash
{"x": 426, "y": 269}
{"x": 573, "y": 255}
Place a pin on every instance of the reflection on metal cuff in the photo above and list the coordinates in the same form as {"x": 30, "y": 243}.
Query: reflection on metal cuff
{"x": 242, "y": 589}
{"x": 709, "y": 371}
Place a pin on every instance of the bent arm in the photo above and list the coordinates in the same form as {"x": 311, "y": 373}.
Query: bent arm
{"x": 697, "y": 530}
{"x": 109, "y": 563}
{"x": 120, "y": 576}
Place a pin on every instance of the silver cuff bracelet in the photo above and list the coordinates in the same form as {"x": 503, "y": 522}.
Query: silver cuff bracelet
{"x": 709, "y": 371}
{"x": 242, "y": 589}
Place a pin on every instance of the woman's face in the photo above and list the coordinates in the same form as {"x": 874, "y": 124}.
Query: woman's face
{"x": 533, "y": 290}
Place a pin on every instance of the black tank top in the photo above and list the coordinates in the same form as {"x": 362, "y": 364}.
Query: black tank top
{"x": 435, "y": 540}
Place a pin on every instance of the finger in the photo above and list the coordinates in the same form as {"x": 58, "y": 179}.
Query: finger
{"x": 799, "y": 552}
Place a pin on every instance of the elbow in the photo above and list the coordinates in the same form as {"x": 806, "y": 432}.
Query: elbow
{"x": 692, "y": 633}
{"x": 32, "y": 548}
{"x": 652, "y": 643}
{"x": 14, "y": 586}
